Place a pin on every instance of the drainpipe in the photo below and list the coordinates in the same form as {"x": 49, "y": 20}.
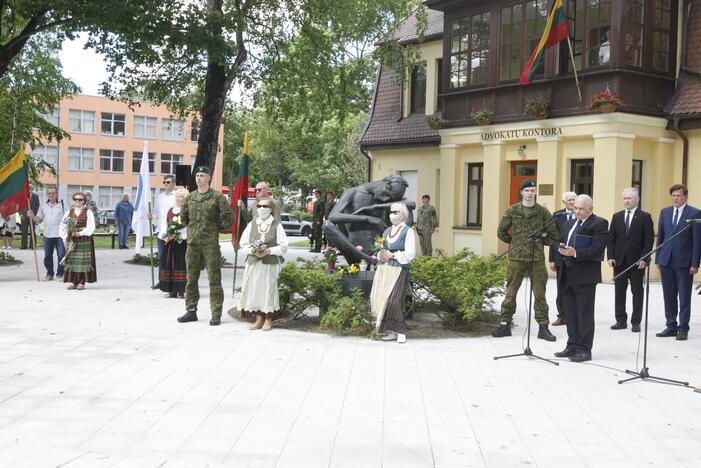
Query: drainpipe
{"x": 362, "y": 150}
{"x": 685, "y": 151}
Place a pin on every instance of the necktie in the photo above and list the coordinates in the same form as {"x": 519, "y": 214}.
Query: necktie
{"x": 570, "y": 241}
{"x": 676, "y": 217}
{"x": 627, "y": 221}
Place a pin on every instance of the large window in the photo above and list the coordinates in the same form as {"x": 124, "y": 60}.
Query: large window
{"x": 661, "y": 35}
{"x": 109, "y": 197}
{"x": 81, "y": 159}
{"x": 80, "y": 121}
{"x": 634, "y": 26}
{"x": 47, "y": 154}
{"x": 418, "y": 89}
{"x": 598, "y": 32}
{"x": 474, "y": 194}
{"x": 637, "y": 178}
{"x": 112, "y": 124}
{"x": 173, "y": 129}
{"x": 137, "y": 156}
{"x": 145, "y": 127}
{"x": 582, "y": 176}
{"x": 52, "y": 116}
{"x": 111, "y": 160}
{"x": 469, "y": 50}
{"x": 520, "y": 35}
{"x": 169, "y": 161}
{"x": 78, "y": 188}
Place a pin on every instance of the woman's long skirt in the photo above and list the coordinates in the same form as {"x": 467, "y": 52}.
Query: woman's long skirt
{"x": 387, "y": 298}
{"x": 80, "y": 264}
{"x": 172, "y": 274}
{"x": 259, "y": 291}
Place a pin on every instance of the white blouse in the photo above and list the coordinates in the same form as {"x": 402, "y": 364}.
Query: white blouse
{"x": 86, "y": 231}
{"x": 281, "y": 238}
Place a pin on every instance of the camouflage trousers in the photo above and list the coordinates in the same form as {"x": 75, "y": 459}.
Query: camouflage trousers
{"x": 209, "y": 257}
{"x": 316, "y": 236}
{"x": 515, "y": 272}
{"x": 425, "y": 242}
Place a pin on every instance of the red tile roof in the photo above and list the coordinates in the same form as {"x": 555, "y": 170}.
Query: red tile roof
{"x": 406, "y": 33}
{"x": 687, "y": 99}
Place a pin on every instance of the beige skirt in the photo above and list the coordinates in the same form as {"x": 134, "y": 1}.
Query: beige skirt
{"x": 259, "y": 292}
{"x": 386, "y": 277}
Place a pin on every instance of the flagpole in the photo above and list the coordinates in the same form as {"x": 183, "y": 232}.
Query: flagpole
{"x": 236, "y": 247}
{"x": 574, "y": 67}
{"x": 150, "y": 231}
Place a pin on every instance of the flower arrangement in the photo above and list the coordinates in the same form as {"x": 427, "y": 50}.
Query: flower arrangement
{"x": 538, "y": 108}
{"x": 258, "y": 247}
{"x": 605, "y": 102}
{"x": 380, "y": 244}
{"x": 173, "y": 229}
{"x": 434, "y": 121}
{"x": 330, "y": 255}
{"x": 349, "y": 270}
{"x": 482, "y": 117}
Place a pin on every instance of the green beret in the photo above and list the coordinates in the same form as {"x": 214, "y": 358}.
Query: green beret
{"x": 202, "y": 169}
{"x": 527, "y": 183}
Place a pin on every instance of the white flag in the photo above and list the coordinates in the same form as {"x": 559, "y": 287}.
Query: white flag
{"x": 139, "y": 223}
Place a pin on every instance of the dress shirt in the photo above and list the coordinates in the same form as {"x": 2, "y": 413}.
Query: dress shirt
{"x": 677, "y": 214}
{"x": 572, "y": 229}
{"x": 51, "y": 215}
{"x": 86, "y": 231}
{"x": 281, "y": 240}
{"x": 164, "y": 202}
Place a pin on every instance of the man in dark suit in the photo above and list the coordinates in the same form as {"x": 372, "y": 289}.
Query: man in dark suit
{"x": 582, "y": 245}
{"x": 631, "y": 236}
{"x": 561, "y": 218}
{"x": 678, "y": 261}
{"x": 25, "y": 229}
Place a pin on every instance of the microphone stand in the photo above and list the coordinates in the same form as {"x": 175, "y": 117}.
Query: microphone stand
{"x": 644, "y": 372}
{"x": 534, "y": 236}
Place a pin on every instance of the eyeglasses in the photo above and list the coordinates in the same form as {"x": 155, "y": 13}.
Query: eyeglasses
{"x": 78, "y": 199}
{"x": 394, "y": 212}
{"x": 167, "y": 182}
{"x": 263, "y": 206}
{"x": 259, "y": 190}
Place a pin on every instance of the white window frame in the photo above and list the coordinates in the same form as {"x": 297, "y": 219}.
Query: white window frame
{"x": 112, "y": 195}
{"x": 113, "y": 119}
{"x": 83, "y": 157}
{"x": 173, "y": 129}
{"x": 82, "y": 117}
{"x": 172, "y": 160}
{"x": 136, "y": 169}
{"x": 53, "y": 117}
{"x": 142, "y": 125}
{"x": 46, "y": 153}
{"x": 113, "y": 156}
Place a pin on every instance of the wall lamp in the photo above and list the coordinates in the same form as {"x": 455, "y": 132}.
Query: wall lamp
{"x": 522, "y": 150}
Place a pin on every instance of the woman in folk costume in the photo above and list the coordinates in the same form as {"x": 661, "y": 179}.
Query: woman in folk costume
{"x": 76, "y": 229}
{"x": 172, "y": 272}
{"x": 264, "y": 243}
{"x": 392, "y": 276}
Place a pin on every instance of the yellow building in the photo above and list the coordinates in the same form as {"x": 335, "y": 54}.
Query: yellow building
{"x": 472, "y": 172}
{"x": 103, "y": 153}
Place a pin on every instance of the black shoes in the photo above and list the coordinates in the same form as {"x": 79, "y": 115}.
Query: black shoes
{"x": 215, "y": 321}
{"x": 559, "y": 322}
{"x": 682, "y": 336}
{"x": 503, "y": 330}
{"x": 567, "y": 352}
{"x": 635, "y": 327}
{"x": 544, "y": 334}
{"x": 667, "y": 332}
{"x": 619, "y": 326}
{"x": 190, "y": 316}
{"x": 581, "y": 356}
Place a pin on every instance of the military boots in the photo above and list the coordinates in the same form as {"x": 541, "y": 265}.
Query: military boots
{"x": 503, "y": 330}
{"x": 544, "y": 334}
{"x": 190, "y": 316}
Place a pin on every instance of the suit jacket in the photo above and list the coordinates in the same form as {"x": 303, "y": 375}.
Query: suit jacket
{"x": 560, "y": 221}
{"x": 627, "y": 248}
{"x": 33, "y": 205}
{"x": 586, "y": 266}
{"x": 684, "y": 250}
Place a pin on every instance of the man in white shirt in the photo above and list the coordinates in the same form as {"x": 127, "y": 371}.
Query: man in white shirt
{"x": 164, "y": 202}
{"x": 50, "y": 213}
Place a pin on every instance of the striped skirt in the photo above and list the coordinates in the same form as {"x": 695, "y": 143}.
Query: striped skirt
{"x": 387, "y": 298}
{"x": 172, "y": 272}
{"x": 80, "y": 263}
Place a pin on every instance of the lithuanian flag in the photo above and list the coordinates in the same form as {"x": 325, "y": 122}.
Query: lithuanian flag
{"x": 556, "y": 30}
{"x": 14, "y": 185}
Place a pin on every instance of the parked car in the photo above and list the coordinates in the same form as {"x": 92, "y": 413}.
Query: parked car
{"x": 106, "y": 218}
{"x": 294, "y": 226}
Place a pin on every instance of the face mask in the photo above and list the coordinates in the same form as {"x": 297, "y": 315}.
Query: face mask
{"x": 263, "y": 212}
{"x": 395, "y": 218}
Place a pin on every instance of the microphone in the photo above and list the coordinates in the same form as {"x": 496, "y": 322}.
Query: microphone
{"x": 693, "y": 221}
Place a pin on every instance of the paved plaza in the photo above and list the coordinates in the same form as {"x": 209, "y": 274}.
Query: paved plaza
{"x": 107, "y": 377}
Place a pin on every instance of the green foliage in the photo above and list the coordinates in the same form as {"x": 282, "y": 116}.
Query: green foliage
{"x": 139, "y": 259}
{"x": 303, "y": 215}
{"x": 7, "y": 259}
{"x": 349, "y": 316}
{"x": 306, "y": 284}
{"x": 463, "y": 285}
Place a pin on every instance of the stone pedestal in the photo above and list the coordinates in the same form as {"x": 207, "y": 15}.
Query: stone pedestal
{"x": 362, "y": 280}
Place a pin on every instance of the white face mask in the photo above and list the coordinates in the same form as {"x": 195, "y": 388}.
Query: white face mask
{"x": 395, "y": 218}
{"x": 263, "y": 212}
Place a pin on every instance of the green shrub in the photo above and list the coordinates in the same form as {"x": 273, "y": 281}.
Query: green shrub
{"x": 303, "y": 215}
{"x": 463, "y": 285}
{"x": 304, "y": 284}
{"x": 138, "y": 259}
{"x": 349, "y": 315}
{"x": 7, "y": 259}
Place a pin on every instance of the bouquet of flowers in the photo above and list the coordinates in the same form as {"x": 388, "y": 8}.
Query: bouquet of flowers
{"x": 71, "y": 228}
{"x": 173, "y": 229}
{"x": 258, "y": 247}
{"x": 380, "y": 244}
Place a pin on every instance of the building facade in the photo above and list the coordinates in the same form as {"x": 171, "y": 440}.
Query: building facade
{"x": 104, "y": 151}
{"x": 473, "y": 55}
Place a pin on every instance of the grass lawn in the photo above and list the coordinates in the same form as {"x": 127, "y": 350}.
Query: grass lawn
{"x": 100, "y": 243}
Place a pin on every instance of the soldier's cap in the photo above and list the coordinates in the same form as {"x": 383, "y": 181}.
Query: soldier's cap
{"x": 202, "y": 169}
{"x": 527, "y": 184}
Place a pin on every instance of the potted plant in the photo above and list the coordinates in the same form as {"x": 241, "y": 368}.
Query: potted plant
{"x": 482, "y": 117}
{"x": 434, "y": 121}
{"x": 330, "y": 255}
{"x": 538, "y": 108}
{"x": 605, "y": 102}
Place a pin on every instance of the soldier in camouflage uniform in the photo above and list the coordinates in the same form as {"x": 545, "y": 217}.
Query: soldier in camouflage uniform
{"x": 317, "y": 221}
{"x": 205, "y": 213}
{"x": 517, "y": 223}
{"x": 426, "y": 223}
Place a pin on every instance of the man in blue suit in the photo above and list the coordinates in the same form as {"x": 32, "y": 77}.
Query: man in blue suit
{"x": 678, "y": 261}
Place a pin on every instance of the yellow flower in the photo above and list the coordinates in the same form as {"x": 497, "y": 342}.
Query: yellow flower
{"x": 353, "y": 269}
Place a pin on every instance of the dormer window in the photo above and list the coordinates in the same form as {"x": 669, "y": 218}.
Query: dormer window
{"x": 469, "y": 50}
